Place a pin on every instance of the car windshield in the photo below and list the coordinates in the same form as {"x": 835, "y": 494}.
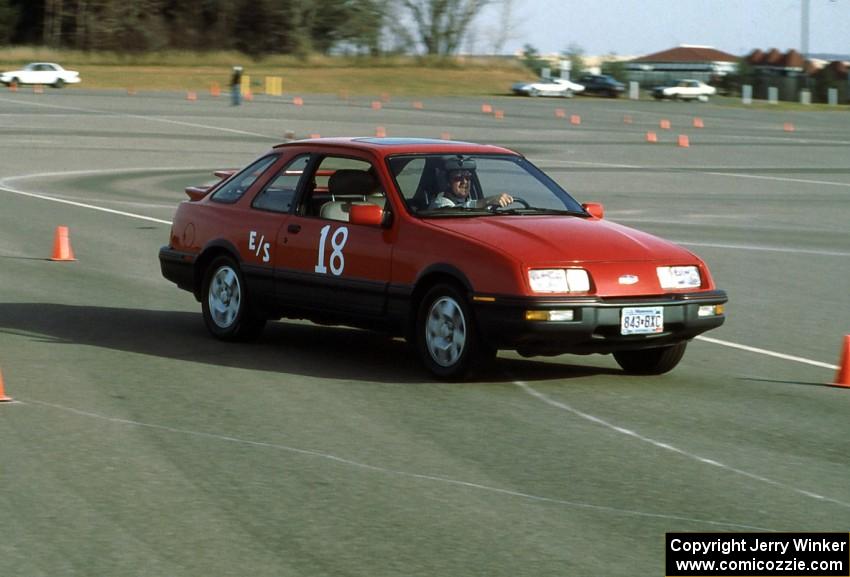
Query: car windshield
{"x": 461, "y": 185}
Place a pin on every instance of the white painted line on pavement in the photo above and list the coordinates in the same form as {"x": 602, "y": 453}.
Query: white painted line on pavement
{"x": 763, "y": 248}
{"x": 668, "y": 447}
{"x": 768, "y": 353}
{"x": 84, "y": 205}
{"x": 387, "y": 471}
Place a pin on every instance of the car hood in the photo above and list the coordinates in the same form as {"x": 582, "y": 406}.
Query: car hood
{"x": 555, "y": 239}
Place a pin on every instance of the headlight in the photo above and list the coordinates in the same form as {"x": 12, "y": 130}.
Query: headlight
{"x": 558, "y": 280}
{"x": 679, "y": 277}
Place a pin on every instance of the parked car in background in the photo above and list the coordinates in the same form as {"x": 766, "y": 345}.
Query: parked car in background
{"x": 547, "y": 87}
{"x": 601, "y": 84}
{"x": 48, "y": 73}
{"x": 685, "y": 90}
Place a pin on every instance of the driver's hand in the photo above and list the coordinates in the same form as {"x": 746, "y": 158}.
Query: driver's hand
{"x": 502, "y": 200}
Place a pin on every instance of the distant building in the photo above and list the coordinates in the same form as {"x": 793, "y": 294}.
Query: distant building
{"x": 775, "y": 63}
{"x": 685, "y": 61}
{"x": 786, "y": 72}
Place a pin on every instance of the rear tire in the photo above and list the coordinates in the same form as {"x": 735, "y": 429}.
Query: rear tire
{"x": 651, "y": 361}
{"x": 227, "y": 311}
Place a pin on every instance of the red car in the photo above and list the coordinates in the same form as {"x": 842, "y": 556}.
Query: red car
{"x": 461, "y": 248}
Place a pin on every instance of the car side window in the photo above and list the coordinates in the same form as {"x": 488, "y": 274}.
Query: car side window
{"x": 279, "y": 193}
{"x": 408, "y": 175}
{"x": 339, "y": 183}
{"x": 232, "y": 190}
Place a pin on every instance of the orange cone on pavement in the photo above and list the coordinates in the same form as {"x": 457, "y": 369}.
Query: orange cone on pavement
{"x": 698, "y": 123}
{"x": 683, "y": 141}
{"x": 3, "y": 397}
{"x": 62, "y": 245}
{"x": 842, "y": 377}
{"x": 651, "y": 137}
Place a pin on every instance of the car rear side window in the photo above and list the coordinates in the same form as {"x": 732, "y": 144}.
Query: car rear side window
{"x": 277, "y": 196}
{"x": 232, "y": 190}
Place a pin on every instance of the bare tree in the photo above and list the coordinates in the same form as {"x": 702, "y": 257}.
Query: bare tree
{"x": 440, "y": 25}
{"x": 506, "y": 26}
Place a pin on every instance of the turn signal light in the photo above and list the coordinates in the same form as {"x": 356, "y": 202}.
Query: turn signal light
{"x": 556, "y": 315}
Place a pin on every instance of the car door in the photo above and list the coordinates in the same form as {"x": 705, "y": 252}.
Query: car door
{"x": 42, "y": 74}
{"x": 326, "y": 263}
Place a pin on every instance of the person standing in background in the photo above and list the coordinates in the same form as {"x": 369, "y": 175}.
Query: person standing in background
{"x": 236, "y": 86}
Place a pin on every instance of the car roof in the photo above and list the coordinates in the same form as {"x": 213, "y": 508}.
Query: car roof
{"x": 394, "y": 146}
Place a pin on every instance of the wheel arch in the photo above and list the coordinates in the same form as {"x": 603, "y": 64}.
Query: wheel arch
{"x": 209, "y": 253}
{"x": 430, "y": 277}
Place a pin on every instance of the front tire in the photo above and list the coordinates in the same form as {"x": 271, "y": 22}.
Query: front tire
{"x": 446, "y": 336}
{"x": 227, "y": 311}
{"x": 651, "y": 361}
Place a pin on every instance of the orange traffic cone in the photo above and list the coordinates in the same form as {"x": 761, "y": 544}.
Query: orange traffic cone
{"x": 651, "y": 137}
{"x": 683, "y": 141}
{"x": 698, "y": 123}
{"x": 61, "y": 245}
{"x": 380, "y": 132}
{"x": 3, "y": 397}
{"x": 842, "y": 377}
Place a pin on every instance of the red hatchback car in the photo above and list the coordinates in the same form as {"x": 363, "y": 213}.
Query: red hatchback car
{"x": 461, "y": 248}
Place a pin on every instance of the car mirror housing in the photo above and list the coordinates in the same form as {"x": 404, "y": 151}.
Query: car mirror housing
{"x": 368, "y": 214}
{"x": 595, "y": 209}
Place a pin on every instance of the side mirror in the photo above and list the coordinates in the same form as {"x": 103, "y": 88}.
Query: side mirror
{"x": 368, "y": 214}
{"x": 595, "y": 209}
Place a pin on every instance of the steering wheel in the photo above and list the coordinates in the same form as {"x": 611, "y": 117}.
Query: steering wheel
{"x": 516, "y": 200}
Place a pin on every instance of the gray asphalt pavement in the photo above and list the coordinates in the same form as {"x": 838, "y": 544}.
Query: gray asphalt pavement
{"x": 139, "y": 446}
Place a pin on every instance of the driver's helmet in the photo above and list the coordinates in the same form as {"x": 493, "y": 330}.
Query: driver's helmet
{"x": 456, "y": 167}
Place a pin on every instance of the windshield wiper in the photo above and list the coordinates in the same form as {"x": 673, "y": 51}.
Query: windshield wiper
{"x": 534, "y": 210}
{"x": 449, "y": 211}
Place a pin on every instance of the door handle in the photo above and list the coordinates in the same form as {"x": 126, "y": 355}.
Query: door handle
{"x": 294, "y": 228}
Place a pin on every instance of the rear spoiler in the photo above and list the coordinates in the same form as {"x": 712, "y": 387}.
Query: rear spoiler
{"x": 196, "y": 193}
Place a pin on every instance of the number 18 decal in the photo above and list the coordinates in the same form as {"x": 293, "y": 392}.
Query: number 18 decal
{"x": 337, "y": 260}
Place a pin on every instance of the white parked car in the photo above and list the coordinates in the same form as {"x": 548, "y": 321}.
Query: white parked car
{"x": 547, "y": 87}
{"x": 47, "y": 73}
{"x": 685, "y": 90}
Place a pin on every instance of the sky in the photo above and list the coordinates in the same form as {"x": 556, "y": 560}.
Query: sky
{"x": 640, "y": 27}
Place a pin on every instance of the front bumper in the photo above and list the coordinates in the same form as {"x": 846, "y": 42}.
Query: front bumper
{"x": 595, "y": 327}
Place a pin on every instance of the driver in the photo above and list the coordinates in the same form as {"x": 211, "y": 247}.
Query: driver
{"x": 460, "y": 173}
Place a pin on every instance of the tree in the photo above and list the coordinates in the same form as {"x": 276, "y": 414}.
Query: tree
{"x": 8, "y": 15}
{"x": 440, "y": 25}
{"x": 531, "y": 59}
{"x": 575, "y": 54}
{"x": 615, "y": 67}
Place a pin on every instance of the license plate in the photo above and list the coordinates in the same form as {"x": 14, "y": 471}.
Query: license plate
{"x": 642, "y": 321}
